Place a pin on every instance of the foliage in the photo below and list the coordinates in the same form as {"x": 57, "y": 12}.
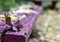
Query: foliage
{"x": 8, "y": 4}
{"x": 45, "y": 4}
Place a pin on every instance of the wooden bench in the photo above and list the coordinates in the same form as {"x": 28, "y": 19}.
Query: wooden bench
{"x": 25, "y": 31}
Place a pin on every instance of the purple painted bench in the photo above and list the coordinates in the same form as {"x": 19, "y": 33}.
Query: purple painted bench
{"x": 24, "y": 33}
{"x": 3, "y": 28}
